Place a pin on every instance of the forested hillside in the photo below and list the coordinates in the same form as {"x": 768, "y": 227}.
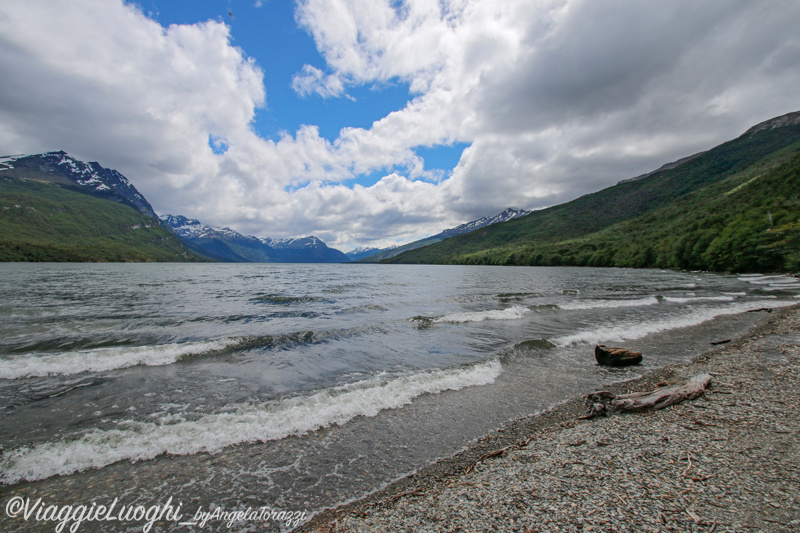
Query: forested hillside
{"x": 733, "y": 208}
{"x": 42, "y": 221}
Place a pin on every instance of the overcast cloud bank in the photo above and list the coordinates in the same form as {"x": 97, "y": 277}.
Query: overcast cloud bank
{"x": 554, "y": 98}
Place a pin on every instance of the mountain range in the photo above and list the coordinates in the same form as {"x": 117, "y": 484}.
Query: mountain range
{"x": 225, "y": 244}
{"x": 378, "y": 255}
{"x": 732, "y": 208}
{"x": 57, "y": 208}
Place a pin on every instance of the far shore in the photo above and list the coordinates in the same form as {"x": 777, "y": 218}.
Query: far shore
{"x": 726, "y": 461}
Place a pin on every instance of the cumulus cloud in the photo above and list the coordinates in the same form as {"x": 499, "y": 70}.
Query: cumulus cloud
{"x": 555, "y": 99}
{"x": 313, "y": 81}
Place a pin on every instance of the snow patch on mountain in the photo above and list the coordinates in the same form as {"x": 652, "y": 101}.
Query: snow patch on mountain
{"x": 91, "y": 177}
{"x": 185, "y": 227}
{"x": 467, "y": 227}
{"x": 229, "y": 245}
{"x": 7, "y": 161}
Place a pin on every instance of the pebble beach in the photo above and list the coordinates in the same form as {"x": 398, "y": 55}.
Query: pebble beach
{"x": 726, "y": 461}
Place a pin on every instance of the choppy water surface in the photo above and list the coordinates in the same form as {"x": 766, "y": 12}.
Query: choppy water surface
{"x": 312, "y": 384}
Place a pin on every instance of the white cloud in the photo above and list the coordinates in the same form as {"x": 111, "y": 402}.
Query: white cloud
{"x": 313, "y": 80}
{"x": 556, "y": 98}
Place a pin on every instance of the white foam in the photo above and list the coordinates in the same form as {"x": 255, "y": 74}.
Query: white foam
{"x": 104, "y": 359}
{"x": 638, "y": 330}
{"x": 698, "y": 298}
{"x": 765, "y": 280}
{"x": 137, "y": 441}
{"x": 511, "y": 313}
{"x": 608, "y": 304}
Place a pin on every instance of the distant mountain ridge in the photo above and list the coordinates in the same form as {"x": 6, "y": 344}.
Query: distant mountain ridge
{"x": 365, "y": 251}
{"x": 467, "y": 227}
{"x": 57, "y": 208}
{"x": 225, "y": 244}
{"x": 505, "y": 216}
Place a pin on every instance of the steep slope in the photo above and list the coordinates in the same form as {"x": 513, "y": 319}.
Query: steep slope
{"x": 554, "y": 232}
{"x": 43, "y": 221}
{"x": 749, "y": 222}
{"x": 225, "y": 244}
{"x": 467, "y": 227}
{"x": 62, "y": 169}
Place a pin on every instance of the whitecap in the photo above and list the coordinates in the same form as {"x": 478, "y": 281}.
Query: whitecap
{"x": 105, "y": 359}
{"x": 607, "y": 304}
{"x": 136, "y": 441}
{"x": 687, "y": 299}
{"x": 510, "y": 313}
{"x": 767, "y": 280}
{"x": 631, "y": 331}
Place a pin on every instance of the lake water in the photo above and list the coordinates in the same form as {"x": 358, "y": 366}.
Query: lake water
{"x": 301, "y": 386}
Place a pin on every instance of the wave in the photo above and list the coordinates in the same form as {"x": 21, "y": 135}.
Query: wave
{"x": 517, "y": 295}
{"x": 769, "y": 280}
{"x": 246, "y": 423}
{"x": 607, "y": 304}
{"x": 534, "y": 344}
{"x": 544, "y": 308}
{"x": 698, "y": 299}
{"x": 510, "y": 313}
{"x": 105, "y": 359}
{"x": 279, "y": 299}
{"x": 118, "y": 357}
{"x": 633, "y": 331}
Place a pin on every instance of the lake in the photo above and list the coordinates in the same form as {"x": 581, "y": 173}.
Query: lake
{"x": 301, "y": 386}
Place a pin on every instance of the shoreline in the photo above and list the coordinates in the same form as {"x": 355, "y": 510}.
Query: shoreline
{"x": 552, "y": 471}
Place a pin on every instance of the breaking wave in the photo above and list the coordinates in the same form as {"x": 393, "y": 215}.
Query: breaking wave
{"x": 510, "y": 313}
{"x": 679, "y": 299}
{"x": 136, "y": 441}
{"x": 118, "y": 357}
{"x": 638, "y": 330}
{"x": 105, "y": 359}
{"x": 607, "y": 304}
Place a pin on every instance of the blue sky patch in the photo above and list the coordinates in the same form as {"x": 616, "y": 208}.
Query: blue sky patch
{"x": 441, "y": 157}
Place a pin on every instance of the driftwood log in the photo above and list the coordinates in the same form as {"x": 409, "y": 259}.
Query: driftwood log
{"x": 616, "y": 356}
{"x": 604, "y": 402}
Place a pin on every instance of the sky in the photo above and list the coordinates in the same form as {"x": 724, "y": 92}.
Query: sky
{"x": 380, "y": 122}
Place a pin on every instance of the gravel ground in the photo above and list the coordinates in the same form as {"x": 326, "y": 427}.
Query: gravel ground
{"x": 727, "y": 461}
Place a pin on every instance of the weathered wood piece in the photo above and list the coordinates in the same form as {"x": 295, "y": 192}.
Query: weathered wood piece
{"x": 616, "y": 356}
{"x": 604, "y": 402}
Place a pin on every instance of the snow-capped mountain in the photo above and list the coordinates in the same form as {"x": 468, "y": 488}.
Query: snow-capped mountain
{"x": 482, "y": 222}
{"x": 59, "y": 167}
{"x": 467, "y": 227}
{"x": 229, "y": 245}
{"x": 363, "y": 251}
